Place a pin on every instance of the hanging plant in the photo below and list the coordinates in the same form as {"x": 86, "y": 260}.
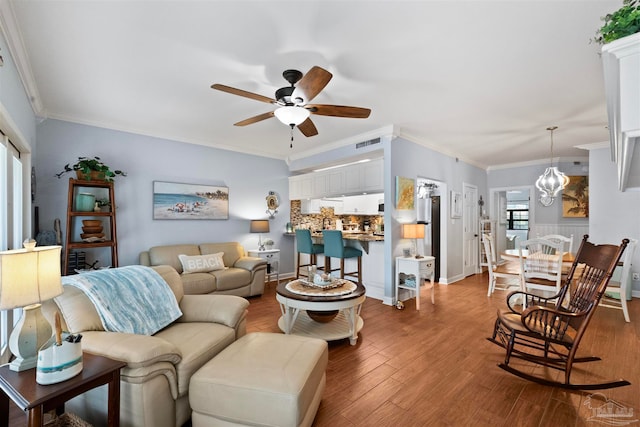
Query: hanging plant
{"x": 621, "y": 23}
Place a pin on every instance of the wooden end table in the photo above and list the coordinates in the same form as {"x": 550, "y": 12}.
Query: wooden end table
{"x": 37, "y": 399}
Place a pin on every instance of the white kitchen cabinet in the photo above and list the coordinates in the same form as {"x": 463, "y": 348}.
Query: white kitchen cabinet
{"x": 300, "y": 187}
{"x": 313, "y": 206}
{"x": 349, "y": 180}
{"x": 372, "y": 176}
{"x": 366, "y": 204}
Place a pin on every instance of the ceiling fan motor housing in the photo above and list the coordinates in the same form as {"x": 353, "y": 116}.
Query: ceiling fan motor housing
{"x": 283, "y": 95}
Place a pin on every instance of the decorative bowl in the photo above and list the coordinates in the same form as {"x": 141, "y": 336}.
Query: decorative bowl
{"x": 322, "y": 280}
{"x": 92, "y": 230}
{"x": 322, "y": 316}
{"x": 92, "y": 222}
{"x": 90, "y": 235}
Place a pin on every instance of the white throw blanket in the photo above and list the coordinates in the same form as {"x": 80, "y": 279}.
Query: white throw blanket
{"x": 133, "y": 299}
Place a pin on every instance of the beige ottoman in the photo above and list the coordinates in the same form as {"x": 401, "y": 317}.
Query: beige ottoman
{"x": 263, "y": 379}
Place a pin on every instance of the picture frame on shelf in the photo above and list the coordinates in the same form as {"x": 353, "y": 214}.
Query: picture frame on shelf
{"x": 172, "y": 200}
{"x": 456, "y": 204}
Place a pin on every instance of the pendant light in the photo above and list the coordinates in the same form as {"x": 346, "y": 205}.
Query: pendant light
{"x": 552, "y": 180}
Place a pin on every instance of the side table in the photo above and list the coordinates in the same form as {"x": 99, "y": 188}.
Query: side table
{"x": 421, "y": 268}
{"x": 272, "y": 256}
{"x": 28, "y": 395}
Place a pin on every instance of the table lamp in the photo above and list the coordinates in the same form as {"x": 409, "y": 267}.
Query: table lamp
{"x": 413, "y": 231}
{"x": 259, "y": 226}
{"x": 28, "y": 277}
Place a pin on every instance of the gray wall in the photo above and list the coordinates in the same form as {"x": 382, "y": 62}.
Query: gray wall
{"x": 613, "y": 214}
{"x": 148, "y": 159}
{"x": 527, "y": 176}
{"x": 412, "y": 161}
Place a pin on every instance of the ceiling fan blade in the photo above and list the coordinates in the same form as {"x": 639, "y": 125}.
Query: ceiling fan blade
{"x": 339, "y": 111}
{"x": 311, "y": 84}
{"x": 255, "y": 119}
{"x": 308, "y": 128}
{"x": 240, "y": 92}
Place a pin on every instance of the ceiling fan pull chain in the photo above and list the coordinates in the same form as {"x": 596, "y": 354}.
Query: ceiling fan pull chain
{"x": 291, "y": 143}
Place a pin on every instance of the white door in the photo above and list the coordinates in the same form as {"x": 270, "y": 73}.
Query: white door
{"x": 470, "y": 229}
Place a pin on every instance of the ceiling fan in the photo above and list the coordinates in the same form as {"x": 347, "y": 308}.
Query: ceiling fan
{"x": 292, "y": 101}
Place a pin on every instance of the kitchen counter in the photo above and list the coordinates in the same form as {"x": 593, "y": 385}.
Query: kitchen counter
{"x": 348, "y": 235}
{"x": 373, "y": 263}
{"x": 352, "y": 238}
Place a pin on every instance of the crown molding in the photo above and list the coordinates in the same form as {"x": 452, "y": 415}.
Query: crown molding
{"x": 15, "y": 44}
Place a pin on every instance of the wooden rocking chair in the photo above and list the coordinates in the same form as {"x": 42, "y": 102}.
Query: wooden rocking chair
{"x": 548, "y": 331}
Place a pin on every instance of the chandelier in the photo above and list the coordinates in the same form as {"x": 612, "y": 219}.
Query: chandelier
{"x": 552, "y": 180}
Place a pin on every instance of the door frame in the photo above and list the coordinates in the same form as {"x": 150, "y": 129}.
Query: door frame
{"x": 471, "y": 219}
{"x": 494, "y": 212}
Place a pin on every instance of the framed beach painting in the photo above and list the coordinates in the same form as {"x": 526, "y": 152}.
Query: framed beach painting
{"x": 575, "y": 198}
{"x": 172, "y": 200}
{"x": 404, "y": 193}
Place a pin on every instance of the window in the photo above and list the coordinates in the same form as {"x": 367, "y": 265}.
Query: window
{"x": 11, "y": 224}
{"x": 517, "y": 215}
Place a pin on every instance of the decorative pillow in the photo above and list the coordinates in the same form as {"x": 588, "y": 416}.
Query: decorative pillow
{"x": 202, "y": 263}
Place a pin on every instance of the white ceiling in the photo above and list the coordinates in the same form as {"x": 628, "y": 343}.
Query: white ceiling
{"x": 479, "y": 80}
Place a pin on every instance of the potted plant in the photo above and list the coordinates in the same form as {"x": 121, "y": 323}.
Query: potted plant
{"x": 91, "y": 169}
{"x": 621, "y": 23}
{"x": 104, "y": 205}
{"x": 268, "y": 243}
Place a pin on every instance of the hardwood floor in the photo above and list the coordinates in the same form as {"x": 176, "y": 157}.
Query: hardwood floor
{"x": 436, "y": 368}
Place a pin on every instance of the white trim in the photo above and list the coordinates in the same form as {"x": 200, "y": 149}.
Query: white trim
{"x": 13, "y": 37}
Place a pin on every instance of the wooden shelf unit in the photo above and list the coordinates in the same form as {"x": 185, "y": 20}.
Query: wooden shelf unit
{"x": 73, "y": 240}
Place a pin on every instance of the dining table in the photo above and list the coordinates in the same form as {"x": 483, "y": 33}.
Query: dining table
{"x": 514, "y": 254}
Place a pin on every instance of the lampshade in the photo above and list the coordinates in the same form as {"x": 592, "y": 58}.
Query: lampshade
{"x": 290, "y": 115}
{"x": 29, "y": 276}
{"x": 259, "y": 226}
{"x": 413, "y": 231}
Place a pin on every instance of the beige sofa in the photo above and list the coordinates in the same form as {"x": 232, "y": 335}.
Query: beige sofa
{"x": 243, "y": 276}
{"x": 154, "y": 386}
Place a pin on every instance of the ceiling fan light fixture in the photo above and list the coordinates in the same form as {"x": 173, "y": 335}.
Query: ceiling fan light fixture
{"x": 290, "y": 115}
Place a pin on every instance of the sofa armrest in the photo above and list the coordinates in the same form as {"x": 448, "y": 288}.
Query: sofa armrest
{"x": 144, "y": 259}
{"x": 136, "y": 350}
{"x": 227, "y": 310}
{"x": 250, "y": 263}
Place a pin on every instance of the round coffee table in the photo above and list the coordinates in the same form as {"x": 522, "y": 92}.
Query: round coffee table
{"x": 295, "y": 320}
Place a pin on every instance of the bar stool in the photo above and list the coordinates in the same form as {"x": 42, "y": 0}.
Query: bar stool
{"x": 305, "y": 245}
{"x": 334, "y": 248}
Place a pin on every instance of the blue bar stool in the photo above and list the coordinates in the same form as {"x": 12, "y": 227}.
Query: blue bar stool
{"x": 305, "y": 245}
{"x": 334, "y": 248}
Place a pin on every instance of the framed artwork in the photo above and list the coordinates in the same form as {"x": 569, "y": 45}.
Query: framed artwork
{"x": 456, "y": 204}
{"x": 575, "y": 198}
{"x": 172, "y": 200}
{"x": 404, "y": 193}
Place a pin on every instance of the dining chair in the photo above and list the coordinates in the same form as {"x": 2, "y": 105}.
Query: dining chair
{"x": 541, "y": 265}
{"x": 567, "y": 247}
{"x": 559, "y": 238}
{"x": 619, "y": 288}
{"x": 503, "y": 275}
